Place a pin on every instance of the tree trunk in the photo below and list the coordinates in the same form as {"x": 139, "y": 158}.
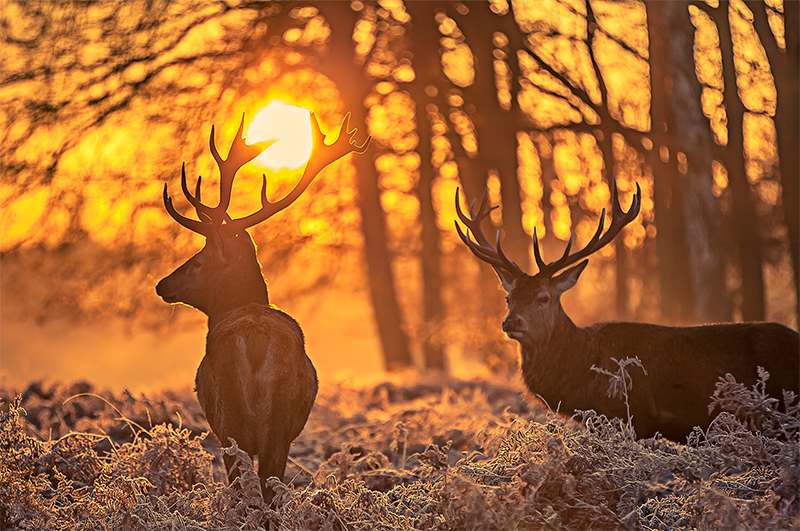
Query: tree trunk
{"x": 544, "y": 148}
{"x": 693, "y": 138}
{"x": 488, "y": 307}
{"x": 394, "y": 340}
{"x": 496, "y": 128}
{"x": 677, "y": 295}
{"x": 745, "y": 220}
{"x": 786, "y": 72}
{"x": 424, "y": 39}
{"x": 605, "y": 142}
{"x": 688, "y": 136}
{"x": 621, "y": 254}
{"x": 354, "y": 87}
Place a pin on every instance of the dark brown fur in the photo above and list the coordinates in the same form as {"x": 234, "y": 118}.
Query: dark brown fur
{"x": 683, "y": 364}
{"x": 255, "y": 383}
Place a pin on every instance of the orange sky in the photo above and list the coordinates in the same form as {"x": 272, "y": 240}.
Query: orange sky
{"x": 114, "y": 176}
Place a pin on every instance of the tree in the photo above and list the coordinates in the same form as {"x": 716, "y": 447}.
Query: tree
{"x": 603, "y": 114}
{"x": 543, "y": 102}
{"x": 786, "y": 73}
{"x": 167, "y": 34}
{"x": 692, "y": 276}
{"x": 424, "y": 38}
{"x": 355, "y": 87}
{"x": 748, "y": 240}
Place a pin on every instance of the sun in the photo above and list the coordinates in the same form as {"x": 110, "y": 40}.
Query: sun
{"x": 288, "y": 124}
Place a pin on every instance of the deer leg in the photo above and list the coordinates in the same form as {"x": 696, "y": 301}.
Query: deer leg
{"x": 272, "y": 463}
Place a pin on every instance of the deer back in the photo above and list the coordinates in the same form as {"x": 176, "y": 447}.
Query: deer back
{"x": 684, "y": 365}
{"x": 256, "y": 383}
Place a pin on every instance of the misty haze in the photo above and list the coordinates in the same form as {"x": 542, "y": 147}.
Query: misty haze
{"x": 450, "y": 395}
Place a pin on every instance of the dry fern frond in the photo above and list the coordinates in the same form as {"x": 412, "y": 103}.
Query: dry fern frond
{"x": 465, "y": 455}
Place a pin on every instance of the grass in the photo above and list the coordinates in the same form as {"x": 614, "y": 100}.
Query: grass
{"x": 418, "y": 456}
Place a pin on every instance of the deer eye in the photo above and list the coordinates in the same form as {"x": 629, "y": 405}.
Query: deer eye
{"x": 544, "y": 300}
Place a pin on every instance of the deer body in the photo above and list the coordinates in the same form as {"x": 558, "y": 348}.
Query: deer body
{"x": 256, "y": 384}
{"x": 673, "y": 396}
{"x": 683, "y": 364}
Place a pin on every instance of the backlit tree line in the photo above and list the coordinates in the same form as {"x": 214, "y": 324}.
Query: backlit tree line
{"x": 539, "y": 103}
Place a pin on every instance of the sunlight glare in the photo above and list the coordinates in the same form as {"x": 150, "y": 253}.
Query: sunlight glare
{"x": 288, "y": 124}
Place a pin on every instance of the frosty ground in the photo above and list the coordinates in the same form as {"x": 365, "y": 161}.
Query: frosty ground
{"x": 420, "y": 455}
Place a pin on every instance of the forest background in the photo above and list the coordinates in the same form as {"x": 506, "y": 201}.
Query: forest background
{"x": 538, "y": 102}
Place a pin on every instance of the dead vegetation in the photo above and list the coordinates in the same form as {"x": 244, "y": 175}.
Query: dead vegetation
{"x": 452, "y": 456}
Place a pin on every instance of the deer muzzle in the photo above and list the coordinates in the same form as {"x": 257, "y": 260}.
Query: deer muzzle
{"x": 514, "y": 327}
{"x": 163, "y": 290}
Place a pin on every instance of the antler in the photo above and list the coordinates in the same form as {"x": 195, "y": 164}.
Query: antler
{"x": 618, "y": 221}
{"x": 212, "y": 218}
{"x": 321, "y": 155}
{"x": 481, "y": 247}
{"x": 239, "y": 154}
{"x": 494, "y": 256}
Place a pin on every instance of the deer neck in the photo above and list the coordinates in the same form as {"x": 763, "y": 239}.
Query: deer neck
{"x": 555, "y": 353}
{"x": 229, "y": 298}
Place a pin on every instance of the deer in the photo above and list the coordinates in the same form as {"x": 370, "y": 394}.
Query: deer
{"x": 255, "y": 384}
{"x": 682, "y": 364}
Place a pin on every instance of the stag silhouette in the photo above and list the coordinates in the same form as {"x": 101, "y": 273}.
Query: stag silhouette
{"x": 683, "y": 364}
{"x": 255, "y": 384}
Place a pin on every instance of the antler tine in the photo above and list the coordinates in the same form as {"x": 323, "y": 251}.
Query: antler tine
{"x": 484, "y": 202}
{"x": 472, "y": 204}
{"x": 473, "y": 222}
{"x": 619, "y": 219}
{"x": 202, "y": 215}
{"x": 484, "y": 254}
{"x": 321, "y": 155}
{"x": 565, "y": 254}
{"x": 191, "y": 224}
{"x": 203, "y": 211}
{"x": 509, "y": 265}
{"x": 481, "y": 247}
{"x": 540, "y": 263}
{"x": 239, "y": 154}
{"x": 567, "y": 259}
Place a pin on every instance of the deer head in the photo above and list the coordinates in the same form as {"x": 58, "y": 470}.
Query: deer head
{"x": 534, "y": 302}
{"x": 226, "y": 274}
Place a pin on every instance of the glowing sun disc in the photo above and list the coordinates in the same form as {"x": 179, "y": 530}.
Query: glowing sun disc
{"x": 288, "y": 124}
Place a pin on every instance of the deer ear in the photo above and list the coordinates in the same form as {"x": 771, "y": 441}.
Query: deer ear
{"x": 568, "y": 278}
{"x": 506, "y": 278}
